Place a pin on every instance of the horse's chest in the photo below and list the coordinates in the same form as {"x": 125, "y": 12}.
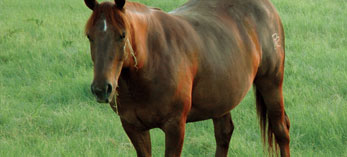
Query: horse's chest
{"x": 147, "y": 115}
{"x": 144, "y": 107}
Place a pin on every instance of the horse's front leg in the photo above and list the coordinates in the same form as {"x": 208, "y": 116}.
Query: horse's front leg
{"x": 174, "y": 134}
{"x": 140, "y": 139}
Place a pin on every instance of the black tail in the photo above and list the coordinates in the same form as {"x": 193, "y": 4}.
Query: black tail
{"x": 265, "y": 126}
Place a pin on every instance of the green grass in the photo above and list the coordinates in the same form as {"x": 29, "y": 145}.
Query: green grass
{"x": 46, "y": 108}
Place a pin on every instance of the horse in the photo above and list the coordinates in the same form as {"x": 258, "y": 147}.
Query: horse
{"x": 197, "y": 62}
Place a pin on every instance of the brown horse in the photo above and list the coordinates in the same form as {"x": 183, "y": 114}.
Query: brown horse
{"x": 194, "y": 63}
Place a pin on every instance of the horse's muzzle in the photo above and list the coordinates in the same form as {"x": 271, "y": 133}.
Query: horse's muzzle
{"x": 102, "y": 92}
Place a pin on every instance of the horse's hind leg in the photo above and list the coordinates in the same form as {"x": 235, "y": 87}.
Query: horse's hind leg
{"x": 270, "y": 108}
{"x": 223, "y": 129}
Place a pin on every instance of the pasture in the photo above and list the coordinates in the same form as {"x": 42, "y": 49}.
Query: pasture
{"x": 47, "y": 109}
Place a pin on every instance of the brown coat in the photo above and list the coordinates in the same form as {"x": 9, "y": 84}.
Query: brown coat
{"x": 194, "y": 63}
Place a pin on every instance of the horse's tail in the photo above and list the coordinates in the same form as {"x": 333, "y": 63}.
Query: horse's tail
{"x": 266, "y": 130}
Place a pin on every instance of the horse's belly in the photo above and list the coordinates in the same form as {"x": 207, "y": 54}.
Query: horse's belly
{"x": 213, "y": 97}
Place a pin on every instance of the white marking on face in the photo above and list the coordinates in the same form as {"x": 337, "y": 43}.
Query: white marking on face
{"x": 105, "y": 25}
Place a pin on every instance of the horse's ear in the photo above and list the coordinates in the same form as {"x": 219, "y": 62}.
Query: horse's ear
{"x": 91, "y": 4}
{"x": 119, "y": 3}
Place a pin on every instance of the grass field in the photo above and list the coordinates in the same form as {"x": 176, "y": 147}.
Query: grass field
{"x": 46, "y": 108}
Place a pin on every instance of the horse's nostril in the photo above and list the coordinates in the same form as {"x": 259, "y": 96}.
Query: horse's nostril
{"x": 97, "y": 91}
{"x": 108, "y": 88}
{"x": 103, "y": 92}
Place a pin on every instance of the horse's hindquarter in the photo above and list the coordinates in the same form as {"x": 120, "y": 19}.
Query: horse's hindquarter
{"x": 230, "y": 53}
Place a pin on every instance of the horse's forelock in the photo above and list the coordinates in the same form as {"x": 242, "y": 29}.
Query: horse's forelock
{"x": 111, "y": 13}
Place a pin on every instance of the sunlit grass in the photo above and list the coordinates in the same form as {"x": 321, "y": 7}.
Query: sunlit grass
{"x": 46, "y": 108}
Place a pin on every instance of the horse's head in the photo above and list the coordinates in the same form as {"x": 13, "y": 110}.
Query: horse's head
{"x": 107, "y": 30}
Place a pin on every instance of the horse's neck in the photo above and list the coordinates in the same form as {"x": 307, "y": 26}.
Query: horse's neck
{"x": 157, "y": 39}
{"x": 138, "y": 15}
{"x": 132, "y": 78}
{"x": 153, "y": 32}
{"x": 146, "y": 32}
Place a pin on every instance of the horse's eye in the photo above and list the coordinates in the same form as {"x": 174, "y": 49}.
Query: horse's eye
{"x": 122, "y": 36}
